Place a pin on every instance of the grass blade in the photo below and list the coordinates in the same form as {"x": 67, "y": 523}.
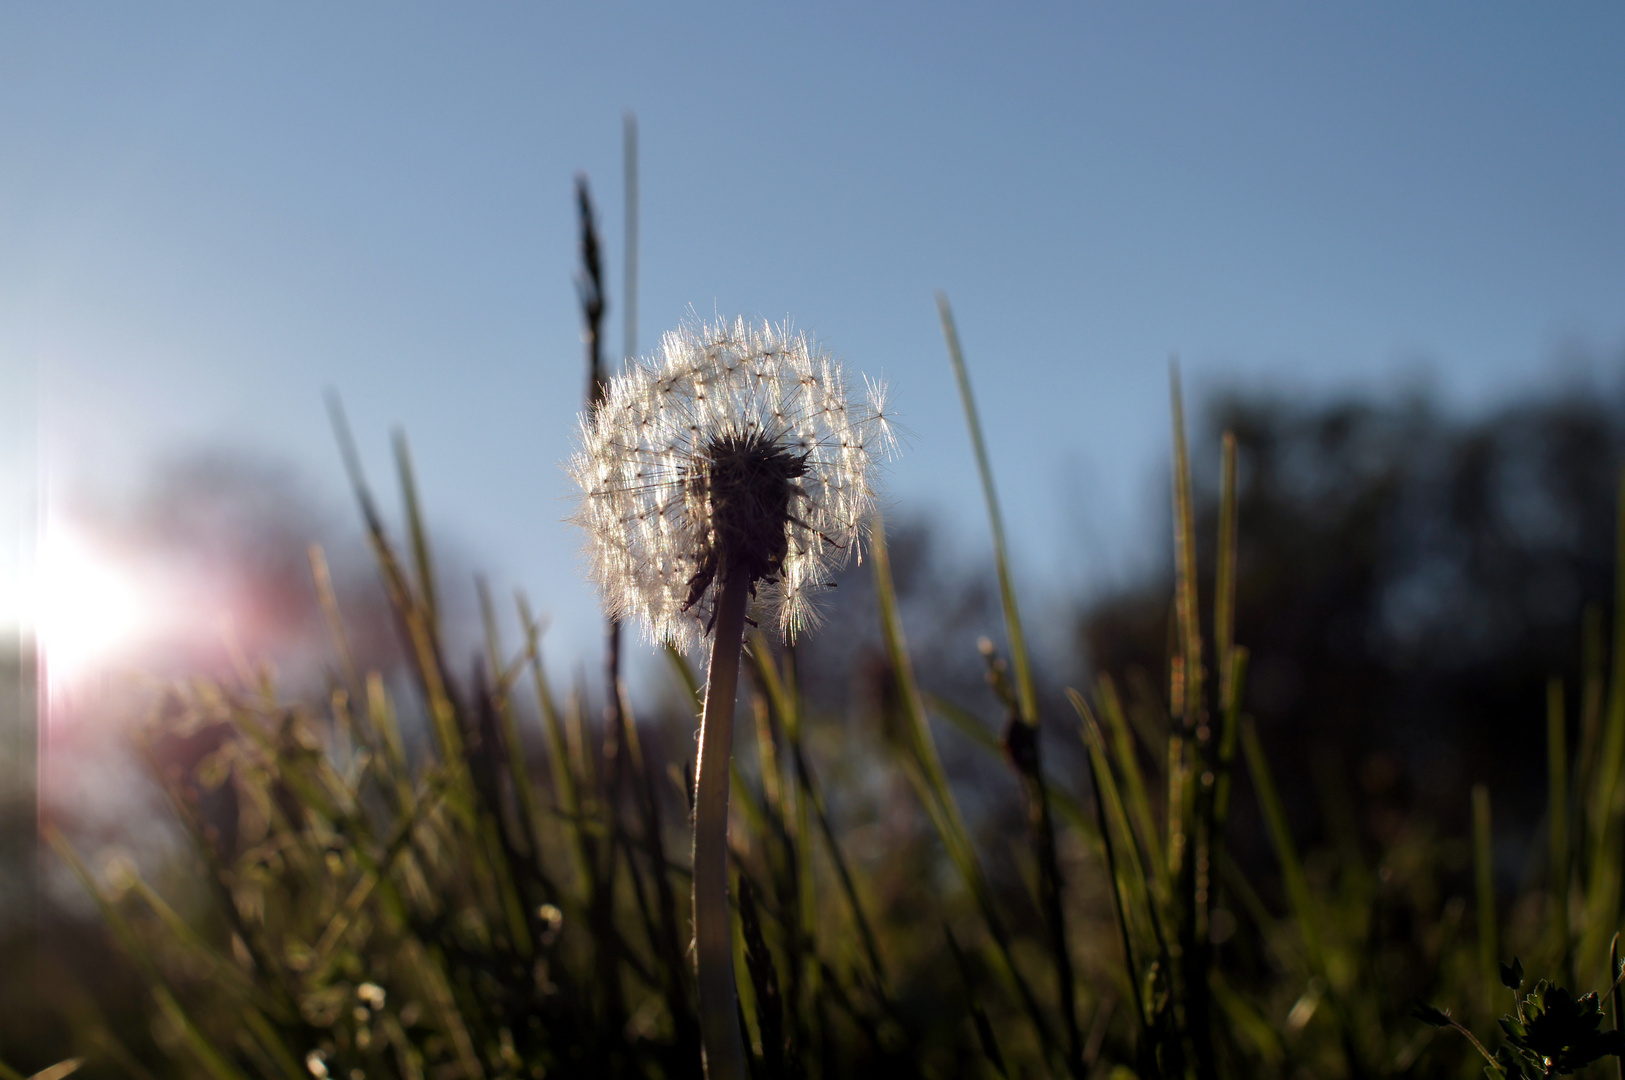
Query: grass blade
{"x": 1026, "y": 696}
{"x": 1050, "y": 884}
{"x": 328, "y": 599}
{"x": 1557, "y": 794}
{"x": 1250, "y": 1026}
{"x": 418, "y": 534}
{"x": 1297, "y": 884}
{"x": 1484, "y": 882}
{"x": 1224, "y": 594}
{"x": 1100, "y": 783}
{"x": 1128, "y": 763}
{"x": 1602, "y": 899}
{"x": 214, "y": 1063}
{"x": 1185, "y": 599}
{"x": 1616, "y": 970}
{"x": 518, "y": 767}
{"x": 800, "y": 885}
{"x": 924, "y": 769}
{"x": 984, "y": 1027}
{"x": 1230, "y": 726}
{"x": 564, "y": 786}
{"x": 1188, "y": 748}
{"x": 843, "y": 871}
{"x": 417, "y": 622}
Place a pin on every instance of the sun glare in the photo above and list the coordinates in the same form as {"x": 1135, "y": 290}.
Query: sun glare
{"x": 88, "y": 607}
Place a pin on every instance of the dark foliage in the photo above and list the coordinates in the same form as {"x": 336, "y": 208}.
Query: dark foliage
{"x": 1407, "y": 582}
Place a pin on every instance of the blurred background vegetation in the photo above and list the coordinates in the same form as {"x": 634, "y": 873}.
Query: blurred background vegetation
{"x": 1348, "y": 735}
{"x": 411, "y": 853}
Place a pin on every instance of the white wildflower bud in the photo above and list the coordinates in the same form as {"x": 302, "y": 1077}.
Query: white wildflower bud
{"x": 733, "y": 447}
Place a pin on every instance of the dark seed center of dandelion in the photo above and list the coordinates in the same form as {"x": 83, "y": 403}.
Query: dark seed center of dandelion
{"x": 743, "y": 485}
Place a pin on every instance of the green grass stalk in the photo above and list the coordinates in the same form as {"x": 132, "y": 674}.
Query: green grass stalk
{"x": 1019, "y": 659}
{"x": 518, "y": 768}
{"x": 923, "y": 767}
{"x": 1286, "y": 853}
{"x": 1030, "y": 763}
{"x": 417, "y": 533}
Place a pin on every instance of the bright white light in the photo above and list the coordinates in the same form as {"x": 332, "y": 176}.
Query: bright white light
{"x": 86, "y": 606}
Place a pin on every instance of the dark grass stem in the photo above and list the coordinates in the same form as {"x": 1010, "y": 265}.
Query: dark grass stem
{"x": 1145, "y": 1050}
{"x": 1618, "y": 972}
{"x": 590, "y": 291}
{"x": 1484, "y": 881}
{"x": 985, "y": 1034}
{"x": 1557, "y": 772}
{"x": 713, "y": 935}
{"x": 1603, "y": 892}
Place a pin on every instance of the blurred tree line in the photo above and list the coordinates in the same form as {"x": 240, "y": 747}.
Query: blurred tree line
{"x": 1408, "y": 581}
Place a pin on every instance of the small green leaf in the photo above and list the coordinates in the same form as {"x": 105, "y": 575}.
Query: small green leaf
{"x": 1512, "y": 977}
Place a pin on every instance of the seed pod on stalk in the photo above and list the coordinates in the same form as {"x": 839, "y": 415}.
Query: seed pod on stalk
{"x": 731, "y": 469}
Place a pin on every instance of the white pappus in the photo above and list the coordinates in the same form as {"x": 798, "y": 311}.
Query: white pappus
{"x": 733, "y": 446}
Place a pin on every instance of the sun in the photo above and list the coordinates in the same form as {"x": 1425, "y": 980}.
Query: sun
{"x": 88, "y": 606}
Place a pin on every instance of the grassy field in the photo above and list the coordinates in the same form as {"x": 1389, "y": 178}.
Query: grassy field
{"x": 433, "y": 870}
{"x": 471, "y": 873}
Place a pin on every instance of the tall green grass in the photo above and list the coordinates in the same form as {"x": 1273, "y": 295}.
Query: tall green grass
{"x": 463, "y": 874}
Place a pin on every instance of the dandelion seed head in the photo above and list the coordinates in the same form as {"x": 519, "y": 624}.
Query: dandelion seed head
{"x": 733, "y": 446}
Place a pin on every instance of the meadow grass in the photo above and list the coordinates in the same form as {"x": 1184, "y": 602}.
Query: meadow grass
{"x": 507, "y": 896}
{"x": 443, "y": 872}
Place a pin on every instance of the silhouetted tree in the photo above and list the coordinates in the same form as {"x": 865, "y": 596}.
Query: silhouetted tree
{"x": 1407, "y": 582}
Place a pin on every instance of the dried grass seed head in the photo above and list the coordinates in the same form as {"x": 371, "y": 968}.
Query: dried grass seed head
{"x": 733, "y": 446}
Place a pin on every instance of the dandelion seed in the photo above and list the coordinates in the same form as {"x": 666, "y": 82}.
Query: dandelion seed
{"x": 731, "y": 466}
{"x": 734, "y": 443}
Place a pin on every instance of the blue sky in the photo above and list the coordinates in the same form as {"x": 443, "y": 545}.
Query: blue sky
{"x": 209, "y": 214}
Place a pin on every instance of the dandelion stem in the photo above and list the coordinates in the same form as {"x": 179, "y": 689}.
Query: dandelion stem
{"x": 713, "y": 934}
